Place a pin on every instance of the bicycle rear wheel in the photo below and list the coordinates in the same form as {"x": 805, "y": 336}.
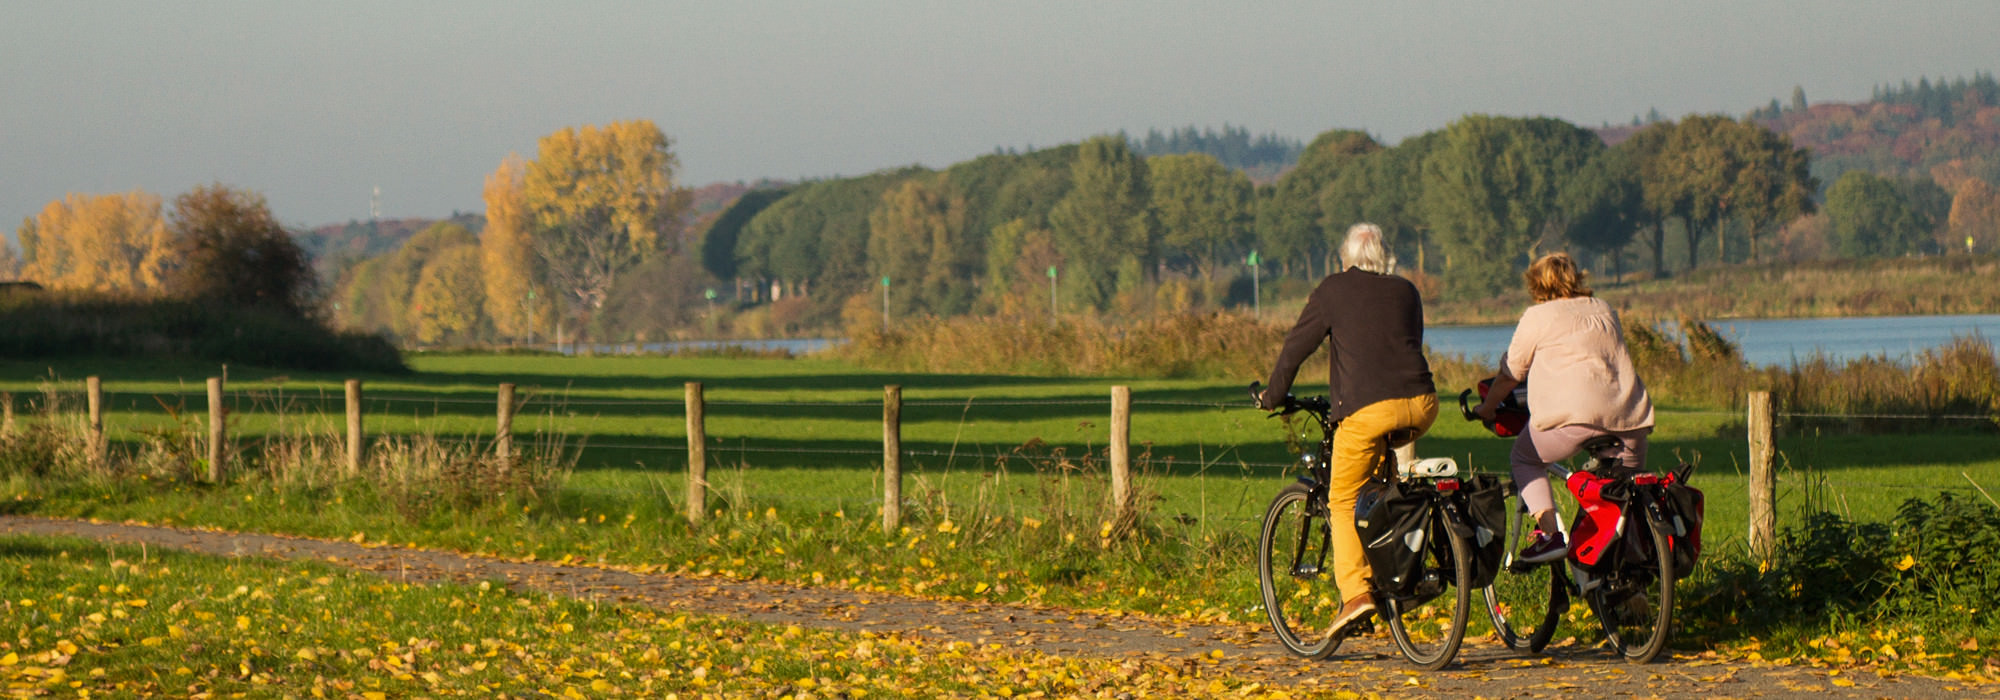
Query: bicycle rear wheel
{"x": 1637, "y": 612}
{"x": 1293, "y": 557}
{"x": 1429, "y": 625}
{"x": 1525, "y": 601}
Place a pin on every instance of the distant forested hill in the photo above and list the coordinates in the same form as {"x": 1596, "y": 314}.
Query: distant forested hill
{"x": 1946, "y": 131}
{"x": 1263, "y": 158}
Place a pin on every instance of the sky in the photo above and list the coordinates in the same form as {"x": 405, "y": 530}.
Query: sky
{"x": 316, "y": 105}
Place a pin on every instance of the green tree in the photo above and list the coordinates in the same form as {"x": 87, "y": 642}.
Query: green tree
{"x": 1603, "y": 205}
{"x": 1292, "y": 226}
{"x": 1870, "y": 217}
{"x": 1102, "y": 227}
{"x": 601, "y": 201}
{"x": 1203, "y": 210}
{"x": 913, "y": 238}
{"x": 1491, "y": 187}
{"x": 1710, "y": 168}
{"x": 231, "y": 250}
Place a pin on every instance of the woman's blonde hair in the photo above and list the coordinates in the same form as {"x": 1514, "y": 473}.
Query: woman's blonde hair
{"x": 1555, "y": 276}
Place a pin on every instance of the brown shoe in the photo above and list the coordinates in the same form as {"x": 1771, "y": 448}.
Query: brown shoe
{"x": 1352, "y": 613}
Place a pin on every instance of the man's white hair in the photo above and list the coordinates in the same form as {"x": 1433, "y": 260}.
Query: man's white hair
{"x": 1364, "y": 249}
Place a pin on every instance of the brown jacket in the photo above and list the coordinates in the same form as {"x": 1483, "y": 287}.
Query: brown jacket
{"x": 1376, "y": 326}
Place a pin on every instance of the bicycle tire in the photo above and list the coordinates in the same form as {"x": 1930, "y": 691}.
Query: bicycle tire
{"x": 1413, "y": 619}
{"x": 1638, "y": 617}
{"x": 1527, "y": 607}
{"x": 1301, "y": 601}
{"x": 1525, "y": 601}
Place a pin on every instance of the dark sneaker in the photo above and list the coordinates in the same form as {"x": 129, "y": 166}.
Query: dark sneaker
{"x": 1544, "y": 548}
{"x": 1354, "y": 612}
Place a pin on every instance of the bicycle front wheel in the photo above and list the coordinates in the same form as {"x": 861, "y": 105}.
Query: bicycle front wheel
{"x": 1637, "y": 613}
{"x": 1293, "y": 559}
{"x": 1525, "y": 601}
{"x": 1429, "y": 625}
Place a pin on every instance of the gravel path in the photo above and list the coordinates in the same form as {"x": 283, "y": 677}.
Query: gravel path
{"x": 1366, "y": 665}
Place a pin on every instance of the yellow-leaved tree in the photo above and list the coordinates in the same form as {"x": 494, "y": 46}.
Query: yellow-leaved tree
{"x": 600, "y": 200}
{"x": 112, "y": 242}
{"x": 516, "y": 299}
{"x": 446, "y": 304}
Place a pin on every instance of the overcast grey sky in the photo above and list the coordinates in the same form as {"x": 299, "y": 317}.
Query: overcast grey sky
{"x": 316, "y": 103}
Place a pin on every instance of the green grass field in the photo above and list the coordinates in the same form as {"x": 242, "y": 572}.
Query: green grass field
{"x": 805, "y": 434}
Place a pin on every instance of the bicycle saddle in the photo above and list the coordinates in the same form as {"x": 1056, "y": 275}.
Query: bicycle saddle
{"x": 1431, "y": 468}
{"x": 1603, "y": 446}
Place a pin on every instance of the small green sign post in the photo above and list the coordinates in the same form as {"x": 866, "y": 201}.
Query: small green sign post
{"x": 1052, "y": 292}
{"x": 1256, "y": 291}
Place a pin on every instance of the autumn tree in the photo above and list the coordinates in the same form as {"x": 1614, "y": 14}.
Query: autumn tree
{"x": 230, "y": 249}
{"x": 381, "y": 292}
{"x": 448, "y": 300}
{"x": 1974, "y": 222}
{"x": 113, "y": 243}
{"x": 598, "y": 201}
{"x": 515, "y": 296}
{"x": 1017, "y": 265}
{"x": 913, "y": 239}
{"x": 1102, "y": 227}
{"x": 10, "y": 262}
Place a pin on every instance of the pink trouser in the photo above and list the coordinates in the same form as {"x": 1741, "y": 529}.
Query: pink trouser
{"x": 1535, "y": 449}
{"x": 1359, "y": 447}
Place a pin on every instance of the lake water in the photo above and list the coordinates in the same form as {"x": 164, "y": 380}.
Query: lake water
{"x": 1775, "y": 341}
{"x": 1764, "y": 342}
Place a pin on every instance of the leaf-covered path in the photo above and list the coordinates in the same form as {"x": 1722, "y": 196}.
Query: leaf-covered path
{"x": 1366, "y": 666}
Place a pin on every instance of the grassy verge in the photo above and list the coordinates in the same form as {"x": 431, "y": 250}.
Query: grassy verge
{"x": 85, "y": 618}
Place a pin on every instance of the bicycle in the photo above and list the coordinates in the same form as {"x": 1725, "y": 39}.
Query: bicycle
{"x": 1624, "y": 566}
{"x": 1427, "y": 609}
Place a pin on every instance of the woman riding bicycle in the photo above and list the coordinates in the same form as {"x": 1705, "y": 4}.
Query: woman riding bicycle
{"x": 1379, "y": 383}
{"x": 1572, "y": 347}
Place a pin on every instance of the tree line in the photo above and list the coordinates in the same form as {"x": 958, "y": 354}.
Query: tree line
{"x": 594, "y": 237}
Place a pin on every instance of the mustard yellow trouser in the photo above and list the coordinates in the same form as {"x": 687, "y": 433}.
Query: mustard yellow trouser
{"x": 1359, "y": 447}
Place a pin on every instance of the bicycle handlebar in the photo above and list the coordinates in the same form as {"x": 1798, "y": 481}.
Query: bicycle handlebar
{"x": 1316, "y": 405}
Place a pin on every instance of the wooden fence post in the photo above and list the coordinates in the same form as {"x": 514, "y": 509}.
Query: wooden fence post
{"x": 1763, "y": 479}
{"x": 1121, "y": 454}
{"x": 353, "y": 428}
{"x": 503, "y": 430}
{"x": 6, "y": 413}
{"x": 892, "y": 459}
{"x": 697, "y": 434}
{"x": 216, "y": 436}
{"x": 93, "y": 389}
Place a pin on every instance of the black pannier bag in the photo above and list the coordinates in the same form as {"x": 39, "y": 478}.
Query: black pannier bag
{"x": 1486, "y": 507}
{"x": 1683, "y": 506}
{"x": 1391, "y": 518}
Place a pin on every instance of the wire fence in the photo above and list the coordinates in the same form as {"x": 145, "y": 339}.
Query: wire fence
{"x": 1176, "y": 459}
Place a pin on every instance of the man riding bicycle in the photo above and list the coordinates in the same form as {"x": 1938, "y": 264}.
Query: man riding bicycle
{"x": 1378, "y": 383}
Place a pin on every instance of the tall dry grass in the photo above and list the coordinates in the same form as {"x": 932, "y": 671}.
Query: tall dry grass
{"x": 416, "y": 474}
{"x": 1684, "y": 361}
